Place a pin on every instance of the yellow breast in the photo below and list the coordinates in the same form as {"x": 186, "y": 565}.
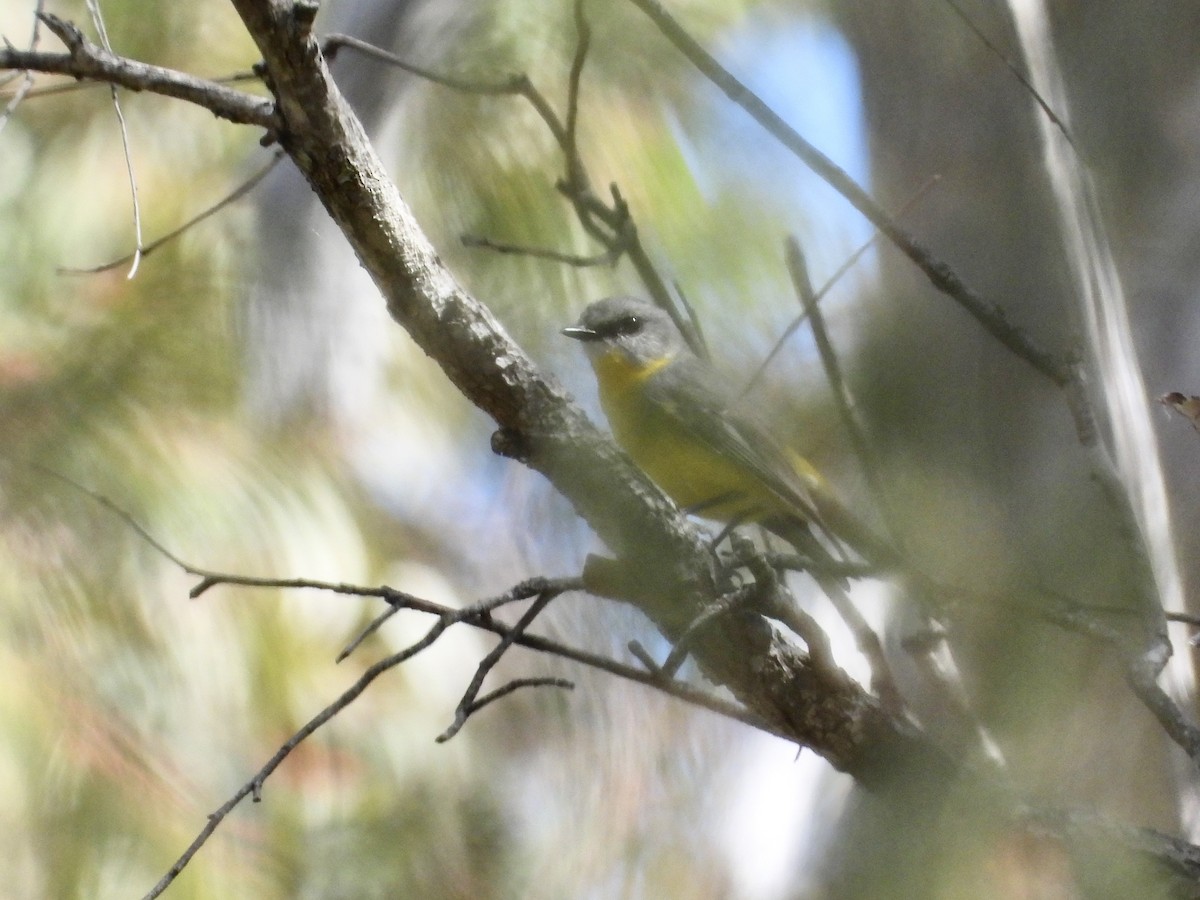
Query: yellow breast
{"x": 691, "y": 473}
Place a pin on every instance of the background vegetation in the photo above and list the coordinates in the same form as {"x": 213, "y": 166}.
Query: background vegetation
{"x": 248, "y": 401}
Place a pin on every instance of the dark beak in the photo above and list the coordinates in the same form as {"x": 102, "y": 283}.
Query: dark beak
{"x": 579, "y": 333}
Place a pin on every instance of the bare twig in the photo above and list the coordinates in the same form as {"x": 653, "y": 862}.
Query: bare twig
{"x": 606, "y": 258}
{"x": 1015, "y": 70}
{"x": 19, "y": 95}
{"x": 398, "y": 600}
{"x": 240, "y": 191}
{"x": 583, "y": 43}
{"x": 683, "y": 646}
{"x": 1184, "y": 618}
{"x": 26, "y": 85}
{"x": 825, "y": 288}
{"x": 468, "y": 703}
{"x": 1141, "y": 667}
{"x": 842, "y": 399}
{"x": 70, "y": 87}
{"x": 642, "y": 655}
{"x": 374, "y": 625}
{"x": 93, "y": 8}
{"x": 701, "y": 343}
{"x": 515, "y": 685}
{"x": 253, "y": 787}
{"x": 515, "y": 85}
{"x": 834, "y": 568}
{"x": 1142, "y": 674}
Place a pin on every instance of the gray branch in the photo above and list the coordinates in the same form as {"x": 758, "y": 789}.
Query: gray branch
{"x": 87, "y": 61}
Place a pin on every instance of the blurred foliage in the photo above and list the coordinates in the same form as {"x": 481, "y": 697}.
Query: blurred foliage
{"x": 246, "y": 399}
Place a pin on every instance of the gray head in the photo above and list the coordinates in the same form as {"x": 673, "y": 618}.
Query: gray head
{"x": 638, "y": 331}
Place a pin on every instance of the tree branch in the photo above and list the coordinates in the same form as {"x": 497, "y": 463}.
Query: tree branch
{"x": 671, "y": 562}
{"x": 87, "y": 61}
{"x": 540, "y": 426}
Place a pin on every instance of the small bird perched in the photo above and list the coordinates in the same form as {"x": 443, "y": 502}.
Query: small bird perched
{"x": 674, "y": 415}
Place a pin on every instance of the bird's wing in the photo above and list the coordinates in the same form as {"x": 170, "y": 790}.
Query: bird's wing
{"x": 689, "y": 396}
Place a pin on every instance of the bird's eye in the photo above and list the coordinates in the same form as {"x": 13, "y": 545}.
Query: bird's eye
{"x": 627, "y": 325}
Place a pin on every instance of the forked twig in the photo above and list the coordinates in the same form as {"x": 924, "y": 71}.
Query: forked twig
{"x": 470, "y": 701}
{"x": 253, "y": 787}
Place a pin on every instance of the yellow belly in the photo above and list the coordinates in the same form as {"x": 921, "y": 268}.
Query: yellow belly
{"x": 688, "y": 471}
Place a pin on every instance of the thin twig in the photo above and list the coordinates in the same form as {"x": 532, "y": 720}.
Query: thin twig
{"x": 514, "y": 85}
{"x": 467, "y": 705}
{"x": 1142, "y": 674}
{"x": 241, "y": 191}
{"x": 374, "y": 625}
{"x": 1016, "y": 72}
{"x": 683, "y": 646}
{"x": 93, "y": 8}
{"x": 26, "y": 77}
{"x": 71, "y": 87}
{"x": 515, "y": 685}
{"x": 1185, "y": 618}
{"x": 1141, "y": 669}
{"x": 606, "y": 258}
{"x": 834, "y": 568}
{"x": 832, "y": 280}
{"x": 583, "y": 42}
{"x": 696, "y": 337}
{"x": 843, "y": 401}
{"x": 253, "y": 787}
{"x": 642, "y": 655}
{"x": 18, "y": 96}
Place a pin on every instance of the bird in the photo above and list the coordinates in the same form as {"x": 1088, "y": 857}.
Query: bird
{"x": 678, "y": 420}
